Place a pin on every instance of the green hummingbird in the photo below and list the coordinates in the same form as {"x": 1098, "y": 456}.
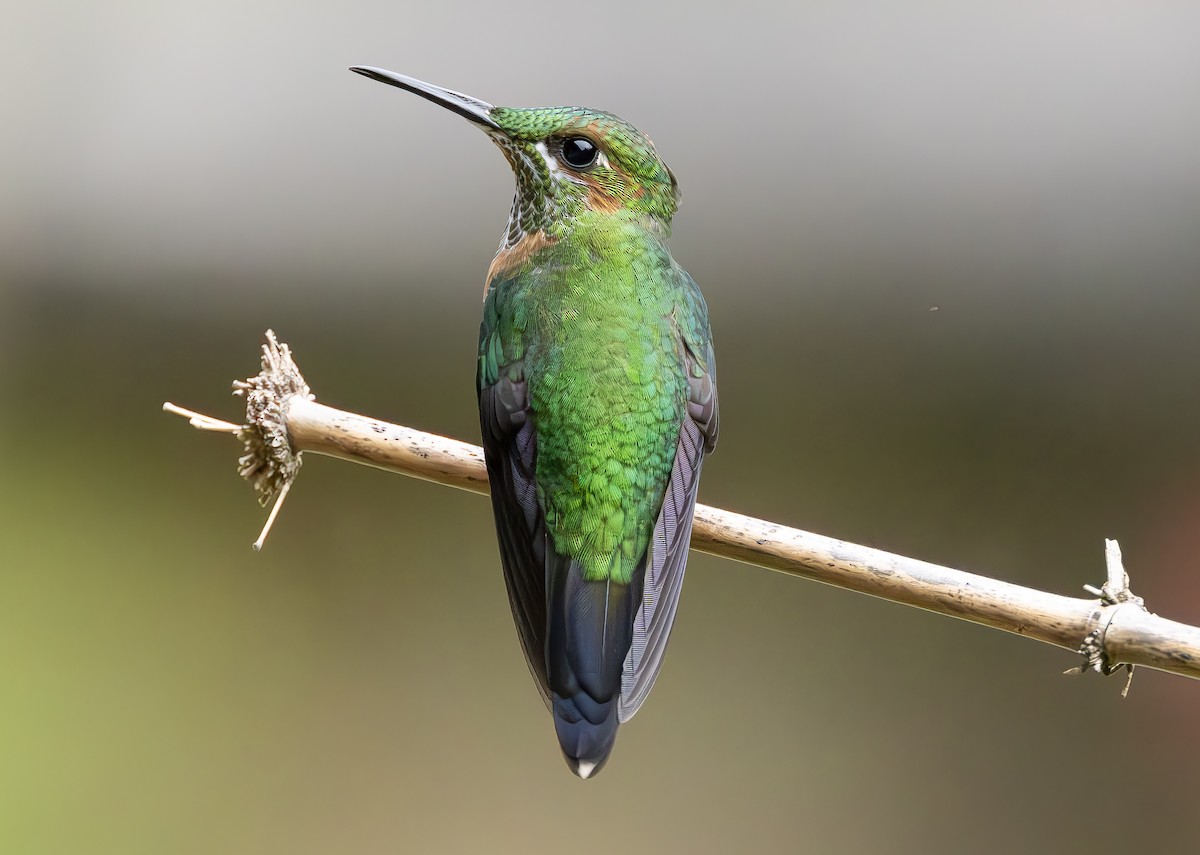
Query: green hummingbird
{"x": 597, "y": 403}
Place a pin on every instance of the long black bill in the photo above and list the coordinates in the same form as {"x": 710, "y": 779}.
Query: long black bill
{"x": 477, "y": 111}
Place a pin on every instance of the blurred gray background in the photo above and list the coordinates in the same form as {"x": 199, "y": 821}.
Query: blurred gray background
{"x": 951, "y": 253}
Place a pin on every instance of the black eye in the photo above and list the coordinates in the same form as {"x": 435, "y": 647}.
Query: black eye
{"x": 579, "y": 152}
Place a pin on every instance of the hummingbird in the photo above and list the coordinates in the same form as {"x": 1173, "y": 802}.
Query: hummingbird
{"x": 597, "y": 404}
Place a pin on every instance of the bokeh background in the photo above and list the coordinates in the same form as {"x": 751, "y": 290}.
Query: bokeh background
{"x": 952, "y": 253}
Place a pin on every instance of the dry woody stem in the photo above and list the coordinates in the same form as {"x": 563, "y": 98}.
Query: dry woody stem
{"x": 1110, "y": 630}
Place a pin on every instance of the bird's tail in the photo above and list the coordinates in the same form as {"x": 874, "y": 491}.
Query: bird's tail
{"x": 590, "y": 632}
{"x": 587, "y": 731}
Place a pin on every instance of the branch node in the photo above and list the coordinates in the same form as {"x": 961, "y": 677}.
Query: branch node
{"x": 1114, "y": 595}
{"x": 269, "y": 462}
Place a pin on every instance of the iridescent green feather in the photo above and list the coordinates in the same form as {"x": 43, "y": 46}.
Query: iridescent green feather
{"x": 596, "y": 323}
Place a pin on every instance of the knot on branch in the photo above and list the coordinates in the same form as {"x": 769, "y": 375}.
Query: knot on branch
{"x": 268, "y": 461}
{"x": 1114, "y": 595}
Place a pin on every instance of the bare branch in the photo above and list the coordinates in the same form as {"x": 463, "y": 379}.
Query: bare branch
{"x": 284, "y": 420}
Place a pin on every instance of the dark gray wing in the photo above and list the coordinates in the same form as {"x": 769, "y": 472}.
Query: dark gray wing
{"x": 667, "y": 557}
{"x": 510, "y": 448}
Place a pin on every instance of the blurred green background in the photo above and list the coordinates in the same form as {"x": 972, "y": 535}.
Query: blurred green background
{"x": 952, "y": 253}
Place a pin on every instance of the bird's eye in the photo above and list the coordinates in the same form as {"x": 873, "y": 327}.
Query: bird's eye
{"x": 579, "y": 152}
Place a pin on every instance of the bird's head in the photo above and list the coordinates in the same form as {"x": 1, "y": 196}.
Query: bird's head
{"x": 568, "y": 161}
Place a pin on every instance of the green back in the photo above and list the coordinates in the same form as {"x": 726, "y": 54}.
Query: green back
{"x": 595, "y": 324}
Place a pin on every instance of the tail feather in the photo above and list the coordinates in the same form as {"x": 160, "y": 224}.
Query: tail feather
{"x": 590, "y": 631}
{"x": 586, "y": 730}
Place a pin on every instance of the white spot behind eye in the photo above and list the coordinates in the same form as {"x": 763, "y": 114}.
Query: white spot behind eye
{"x": 551, "y": 163}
